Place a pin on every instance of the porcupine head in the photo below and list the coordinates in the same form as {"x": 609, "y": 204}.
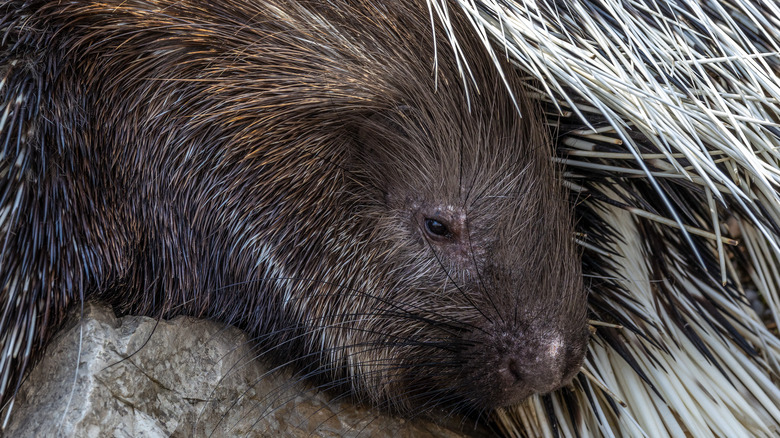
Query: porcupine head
{"x": 339, "y": 179}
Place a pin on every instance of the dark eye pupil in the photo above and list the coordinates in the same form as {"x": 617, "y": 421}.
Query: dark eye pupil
{"x": 436, "y": 228}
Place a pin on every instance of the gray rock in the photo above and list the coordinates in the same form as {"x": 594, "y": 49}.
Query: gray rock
{"x": 139, "y": 377}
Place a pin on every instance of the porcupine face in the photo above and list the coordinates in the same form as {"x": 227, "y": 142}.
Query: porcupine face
{"x": 369, "y": 218}
{"x": 488, "y": 295}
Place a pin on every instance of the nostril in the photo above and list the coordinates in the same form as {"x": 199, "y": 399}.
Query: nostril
{"x": 535, "y": 371}
{"x": 511, "y": 371}
{"x": 514, "y": 368}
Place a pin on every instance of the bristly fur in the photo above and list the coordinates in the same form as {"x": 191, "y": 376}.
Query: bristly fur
{"x": 275, "y": 165}
{"x": 667, "y": 114}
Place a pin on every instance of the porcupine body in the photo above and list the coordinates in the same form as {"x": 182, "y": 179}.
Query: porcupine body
{"x": 331, "y": 177}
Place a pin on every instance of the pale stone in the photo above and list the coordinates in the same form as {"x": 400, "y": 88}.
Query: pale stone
{"x": 139, "y": 377}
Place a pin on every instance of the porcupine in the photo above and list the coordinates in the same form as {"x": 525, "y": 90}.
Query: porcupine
{"x": 323, "y": 176}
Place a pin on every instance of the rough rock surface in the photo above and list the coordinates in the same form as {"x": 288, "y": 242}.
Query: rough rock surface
{"x": 139, "y": 377}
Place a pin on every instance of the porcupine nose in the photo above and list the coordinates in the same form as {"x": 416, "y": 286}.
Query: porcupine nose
{"x": 509, "y": 363}
{"x": 537, "y": 368}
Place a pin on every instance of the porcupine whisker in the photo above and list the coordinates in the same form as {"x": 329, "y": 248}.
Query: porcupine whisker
{"x": 445, "y": 398}
{"x": 337, "y": 383}
{"x": 426, "y": 399}
{"x": 392, "y": 365}
{"x": 143, "y": 344}
{"x": 288, "y": 384}
{"x": 433, "y": 396}
{"x": 280, "y": 389}
{"x": 331, "y": 385}
{"x": 321, "y": 326}
{"x": 480, "y": 281}
{"x": 319, "y": 353}
{"x": 466, "y": 412}
{"x": 399, "y": 341}
{"x": 478, "y": 414}
{"x": 444, "y": 268}
{"x": 357, "y": 292}
{"x": 273, "y": 398}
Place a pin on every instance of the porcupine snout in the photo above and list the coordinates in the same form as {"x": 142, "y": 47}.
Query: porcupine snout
{"x": 518, "y": 360}
{"x": 536, "y": 367}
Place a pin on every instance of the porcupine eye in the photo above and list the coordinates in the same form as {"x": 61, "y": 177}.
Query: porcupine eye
{"x": 436, "y": 229}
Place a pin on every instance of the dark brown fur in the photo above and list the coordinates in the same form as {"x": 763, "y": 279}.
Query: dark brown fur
{"x": 272, "y": 165}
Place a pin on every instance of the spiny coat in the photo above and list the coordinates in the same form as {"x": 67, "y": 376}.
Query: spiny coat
{"x": 332, "y": 177}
